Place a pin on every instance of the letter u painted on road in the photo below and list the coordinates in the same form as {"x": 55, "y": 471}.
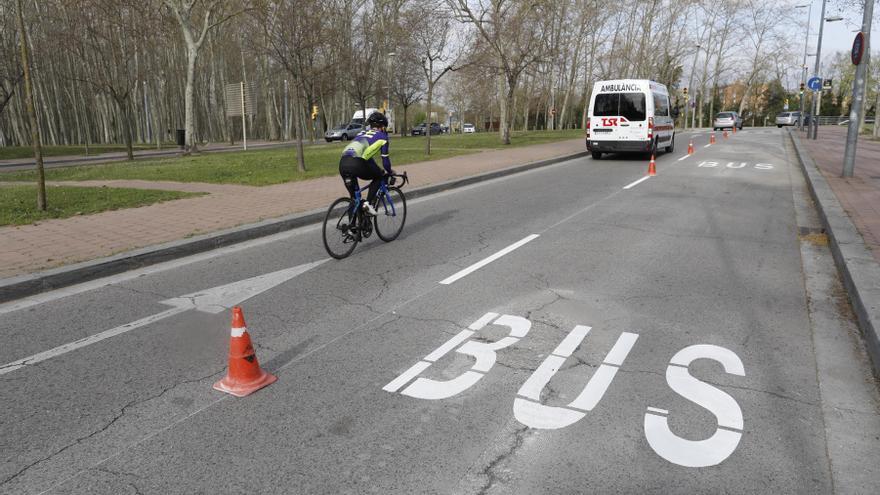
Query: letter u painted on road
{"x": 484, "y": 355}
{"x": 718, "y": 447}
{"x": 528, "y": 409}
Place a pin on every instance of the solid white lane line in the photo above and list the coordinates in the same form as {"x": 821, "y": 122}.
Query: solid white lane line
{"x": 91, "y": 339}
{"x": 476, "y": 266}
{"x": 685, "y": 157}
{"x": 634, "y": 184}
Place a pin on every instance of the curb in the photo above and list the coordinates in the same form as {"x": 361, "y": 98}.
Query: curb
{"x": 27, "y": 285}
{"x": 857, "y": 266}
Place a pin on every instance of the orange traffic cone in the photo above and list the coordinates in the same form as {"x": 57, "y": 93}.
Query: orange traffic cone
{"x": 712, "y": 138}
{"x": 734, "y": 129}
{"x": 245, "y": 375}
{"x": 652, "y": 167}
{"x": 691, "y": 147}
{"x": 725, "y": 134}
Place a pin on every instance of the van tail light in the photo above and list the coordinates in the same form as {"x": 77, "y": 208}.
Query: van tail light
{"x": 650, "y": 127}
{"x": 588, "y": 127}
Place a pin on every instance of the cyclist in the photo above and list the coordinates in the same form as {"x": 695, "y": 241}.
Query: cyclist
{"x": 358, "y": 162}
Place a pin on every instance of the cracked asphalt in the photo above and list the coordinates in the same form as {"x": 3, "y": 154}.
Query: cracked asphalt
{"x": 697, "y": 255}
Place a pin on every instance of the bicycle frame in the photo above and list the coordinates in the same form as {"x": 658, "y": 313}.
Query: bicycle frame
{"x": 383, "y": 193}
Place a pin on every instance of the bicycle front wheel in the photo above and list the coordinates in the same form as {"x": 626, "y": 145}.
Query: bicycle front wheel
{"x": 340, "y": 229}
{"x": 391, "y": 216}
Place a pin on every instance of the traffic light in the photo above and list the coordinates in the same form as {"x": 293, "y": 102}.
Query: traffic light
{"x": 314, "y": 112}
{"x": 685, "y": 91}
{"x": 802, "y": 88}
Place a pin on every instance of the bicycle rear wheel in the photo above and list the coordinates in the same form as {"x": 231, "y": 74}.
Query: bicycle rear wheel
{"x": 340, "y": 229}
{"x": 391, "y": 209}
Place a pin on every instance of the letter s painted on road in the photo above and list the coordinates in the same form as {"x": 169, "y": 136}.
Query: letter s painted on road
{"x": 718, "y": 447}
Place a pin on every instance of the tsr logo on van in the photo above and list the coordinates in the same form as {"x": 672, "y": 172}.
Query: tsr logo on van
{"x": 612, "y": 121}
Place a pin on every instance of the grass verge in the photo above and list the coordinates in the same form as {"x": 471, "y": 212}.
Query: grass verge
{"x": 277, "y": 165}
{"x": 18, "y": 204}
{"x": 15, "y": 152}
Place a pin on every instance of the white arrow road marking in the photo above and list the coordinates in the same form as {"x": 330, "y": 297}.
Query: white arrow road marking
{"x": 213, "y": 301}
{"x": 219, "y": 299}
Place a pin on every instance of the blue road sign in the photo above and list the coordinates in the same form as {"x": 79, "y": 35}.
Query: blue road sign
{"x": 814, "y": 83}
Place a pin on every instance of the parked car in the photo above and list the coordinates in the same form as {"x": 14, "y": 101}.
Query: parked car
{"x": 787, "y": 118}
{"x": 468, "y": 128}
{"x": 343, "y": 132}
{"x": 420, "y": 130}
{"x": 727, "y": 120}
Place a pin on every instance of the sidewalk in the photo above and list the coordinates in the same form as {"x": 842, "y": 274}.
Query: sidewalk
{"x": 51, "y": 243}
{"x": 859, "y": 195}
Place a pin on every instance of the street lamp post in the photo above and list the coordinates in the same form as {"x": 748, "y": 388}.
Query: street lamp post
{"x": 817, "y": 97}
{"x": 804, "y": 66}
{"x": 687, "y": 100}
{"x": 859, "y": 89}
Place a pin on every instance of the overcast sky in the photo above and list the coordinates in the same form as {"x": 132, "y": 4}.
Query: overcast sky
{"x": 838, "y": 36}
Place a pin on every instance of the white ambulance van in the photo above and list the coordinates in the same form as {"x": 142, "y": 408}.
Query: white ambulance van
{"x": 630, "y": 115}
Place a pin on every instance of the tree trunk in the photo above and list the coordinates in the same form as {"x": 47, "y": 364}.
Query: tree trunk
{"x": 189, "y": 119}
{"x": 428, "y": 118}
{"x": 298, "y": 129}
{"x": 126, "y": 127}
{"x": 32, "y": 113}
{"x": 504, "y": 104}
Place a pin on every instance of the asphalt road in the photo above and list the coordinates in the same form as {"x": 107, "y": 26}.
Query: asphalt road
{"x": 685, "y": 335}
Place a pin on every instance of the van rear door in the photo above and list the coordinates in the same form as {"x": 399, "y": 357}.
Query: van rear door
{"x": 619, "y": 117}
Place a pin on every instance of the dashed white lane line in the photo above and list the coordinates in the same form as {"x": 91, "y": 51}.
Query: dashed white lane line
{"x": 710, "y": 144}
{"x": 91, "y": 339}
{"x": 685, "y": 157}
{"x": 634, "y": 184}
{"x": 476, "y": 266}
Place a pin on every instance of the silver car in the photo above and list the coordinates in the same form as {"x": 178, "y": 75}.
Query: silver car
{"x": 343, "y": 132}
{"x": 727, "y": 120}
{"x": 787, "y": 118}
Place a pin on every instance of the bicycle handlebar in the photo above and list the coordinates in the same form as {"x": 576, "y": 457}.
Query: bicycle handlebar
{"x": 403, "y": 176}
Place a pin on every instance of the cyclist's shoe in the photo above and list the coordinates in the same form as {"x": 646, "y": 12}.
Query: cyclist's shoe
{"x": 369, "y": 210}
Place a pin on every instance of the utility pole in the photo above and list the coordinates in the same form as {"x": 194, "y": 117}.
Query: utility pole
{"x": 804, "y": 66}
{"x": 859, "y": 86}
{"x": 817, "y": 95}
{"x": 32, "y": 113}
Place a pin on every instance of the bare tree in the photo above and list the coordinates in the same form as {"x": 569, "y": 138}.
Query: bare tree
{"x": 195, "y": 29}
{"x": 431, "y": 31}
{"x": 32, "y": 114}
{"x": 512, "y": 31}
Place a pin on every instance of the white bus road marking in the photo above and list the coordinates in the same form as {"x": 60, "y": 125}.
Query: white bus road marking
{"x": 531, "y": 412}
{"x": 634, "y": 184}
{"x": 480, "y": 264}
{"x": 214, "y": 300}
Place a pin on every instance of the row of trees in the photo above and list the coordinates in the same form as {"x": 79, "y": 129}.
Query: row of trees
{"x": 124, "y": 71}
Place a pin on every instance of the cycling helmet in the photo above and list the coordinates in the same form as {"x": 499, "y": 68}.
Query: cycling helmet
{"x": 377, "y": 119}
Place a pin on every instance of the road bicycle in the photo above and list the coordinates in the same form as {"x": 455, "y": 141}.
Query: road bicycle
{"x": 346, "y": 224}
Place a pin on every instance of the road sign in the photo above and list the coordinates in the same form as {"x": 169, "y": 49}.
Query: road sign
{"x": 814, "y": 83}
{"x": 858, "y": 48}
{"x": 826, "y": 84}
{"x": 234, "y": 99}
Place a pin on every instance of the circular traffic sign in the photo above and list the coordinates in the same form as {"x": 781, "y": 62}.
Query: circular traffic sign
{"x": 858, "y": 48}
{"x": 814, "y": 83}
